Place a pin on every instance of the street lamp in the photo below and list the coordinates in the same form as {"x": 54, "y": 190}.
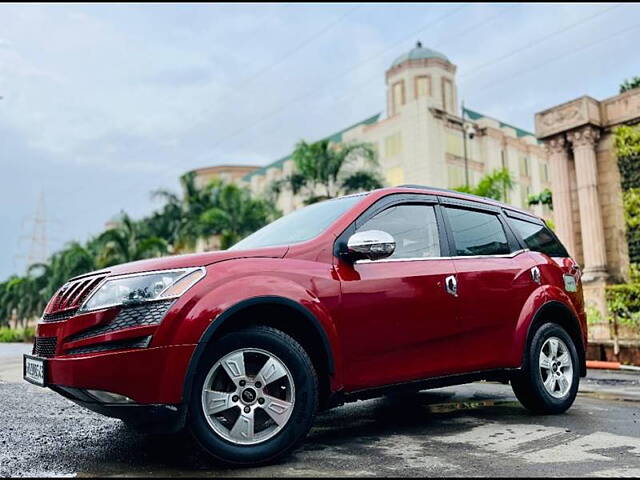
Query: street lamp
{"x": 467, "y": 130}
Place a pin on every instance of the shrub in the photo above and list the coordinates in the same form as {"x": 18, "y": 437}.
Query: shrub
{"x": 16, "y": 334}
{"x": 623, "y": 302}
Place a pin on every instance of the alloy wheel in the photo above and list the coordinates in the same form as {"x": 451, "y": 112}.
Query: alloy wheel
{"x": 248, "y": 396}
{"x": 556, "y": 367}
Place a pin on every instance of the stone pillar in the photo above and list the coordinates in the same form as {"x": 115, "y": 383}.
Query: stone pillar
{"x": 561, "y": 190}
{"x": 584, "y": 141}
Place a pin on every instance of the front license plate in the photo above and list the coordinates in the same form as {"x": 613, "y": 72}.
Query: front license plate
{"x": 34, "y": 370}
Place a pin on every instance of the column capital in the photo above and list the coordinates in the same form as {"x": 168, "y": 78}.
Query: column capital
{"x": 556, "y": 145}
{"x": 586, "y": 136}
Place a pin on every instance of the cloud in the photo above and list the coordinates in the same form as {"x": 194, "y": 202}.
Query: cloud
{"x": 105, "y": 102}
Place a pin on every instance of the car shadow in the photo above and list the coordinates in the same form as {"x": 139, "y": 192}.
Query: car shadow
{"x": 348, "y": 427}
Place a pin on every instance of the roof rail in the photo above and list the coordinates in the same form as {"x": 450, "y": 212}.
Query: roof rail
{"x": 472, "y": 196}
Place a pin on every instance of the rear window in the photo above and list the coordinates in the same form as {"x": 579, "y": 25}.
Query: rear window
{"x": 538, "y": 238}
{"x": 477, "y": 233}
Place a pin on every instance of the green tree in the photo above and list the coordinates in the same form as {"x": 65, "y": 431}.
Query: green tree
{"x": 182, "y": 215}
{"x": 627, "y": 148}
{"x": 234, "y": 213}
{"x": 493, "y": 185}
{"x": 627, "y": 85}
{"x": 126, "y": 243}
{"x": 322, "y": 170}
{"x": 543, "y": 198}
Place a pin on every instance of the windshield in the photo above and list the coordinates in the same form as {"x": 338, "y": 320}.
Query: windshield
{"x": 299, "y": 226}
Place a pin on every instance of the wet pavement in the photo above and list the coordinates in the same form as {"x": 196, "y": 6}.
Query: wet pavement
{"x": 477, "y": 429}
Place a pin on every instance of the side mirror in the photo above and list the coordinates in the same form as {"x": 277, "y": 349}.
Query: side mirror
{"x": 371, "y": 245}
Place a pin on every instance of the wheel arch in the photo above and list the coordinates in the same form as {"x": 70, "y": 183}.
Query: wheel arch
{"x": 295, "y": 319}
{"x": 554, "y": 311}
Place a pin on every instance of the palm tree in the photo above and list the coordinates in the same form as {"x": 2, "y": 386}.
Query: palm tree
{"x": 183, "y": 214}
{"x": 494, "y": 185}
{"x": 629, "y": 84}
{"x": 234, "y": 214}
{"x": 323, "y": 167}
{"x": 126, "y": 243}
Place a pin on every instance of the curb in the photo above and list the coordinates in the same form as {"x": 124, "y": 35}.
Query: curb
{"x": 610, "y": 366}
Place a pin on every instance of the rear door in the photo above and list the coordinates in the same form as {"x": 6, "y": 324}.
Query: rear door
{"x": 494, "y": 280}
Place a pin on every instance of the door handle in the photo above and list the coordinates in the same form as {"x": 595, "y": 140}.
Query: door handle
{"x": 535, "y": 275}
{"x": 451, "y": 285}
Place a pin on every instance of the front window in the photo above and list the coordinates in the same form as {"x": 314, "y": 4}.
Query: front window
{"x": 413, "y": 227}
{"x": 299, "y": 226}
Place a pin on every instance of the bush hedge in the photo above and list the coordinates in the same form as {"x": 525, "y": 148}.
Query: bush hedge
{"x": 8, "y": 335}
{"x": 623, "y": 301}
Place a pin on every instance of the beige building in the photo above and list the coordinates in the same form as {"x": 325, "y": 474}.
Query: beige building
{"x": 420, "y": 138}
{"x": 227, "y": 173}
{"x": 587, "y": 195}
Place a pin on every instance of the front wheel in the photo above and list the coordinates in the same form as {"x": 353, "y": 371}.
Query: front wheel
{"x": 254, "y": 398}
{"x": 548, "y": 382}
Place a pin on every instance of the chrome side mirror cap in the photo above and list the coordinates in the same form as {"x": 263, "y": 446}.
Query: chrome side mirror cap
{"x": 370, "y": 245}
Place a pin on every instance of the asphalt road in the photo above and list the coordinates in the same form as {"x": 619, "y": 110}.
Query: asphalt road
{"x": 477, "y": 429}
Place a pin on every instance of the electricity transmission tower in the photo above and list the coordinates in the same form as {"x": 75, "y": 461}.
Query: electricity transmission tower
{"x": 38, "y": 240}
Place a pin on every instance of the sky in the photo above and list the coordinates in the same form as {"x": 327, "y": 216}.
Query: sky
{"x": 104, "y": 103}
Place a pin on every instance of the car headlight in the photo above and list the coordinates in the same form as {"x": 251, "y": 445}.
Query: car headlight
{"x": 142, "y": 287}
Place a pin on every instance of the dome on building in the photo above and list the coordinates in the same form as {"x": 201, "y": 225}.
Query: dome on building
{"x": 419, "y": 53}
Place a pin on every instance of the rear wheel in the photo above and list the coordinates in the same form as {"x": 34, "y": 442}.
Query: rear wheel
{"x": 254, "y": 398}
{"x": 548, "y": 382}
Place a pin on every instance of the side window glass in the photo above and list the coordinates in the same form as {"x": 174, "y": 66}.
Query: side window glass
{"x": 476, "y": 233}
{"x": 538, "y": 238}
{"x": 413, "y": 227}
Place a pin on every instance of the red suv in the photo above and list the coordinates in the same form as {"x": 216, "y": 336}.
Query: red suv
{"x": 351, "y": 298}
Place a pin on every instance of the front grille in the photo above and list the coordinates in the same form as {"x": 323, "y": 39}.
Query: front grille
{"x": 72, "y": 294}
{"x": 45, "y": 346}
{"x": 58, "y": 317}
{"x": 142, "y": 342}
{"x": 143, "y": 315}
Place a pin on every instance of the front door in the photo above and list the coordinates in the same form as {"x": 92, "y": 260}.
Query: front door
{"x": 396, "y": 318}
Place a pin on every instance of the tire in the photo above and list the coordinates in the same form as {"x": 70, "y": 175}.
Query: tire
{"x": 556, "y": 396}
{"x": 238, "y": 442}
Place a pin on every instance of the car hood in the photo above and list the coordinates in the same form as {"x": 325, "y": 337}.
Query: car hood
{"x": 191, "y": 260}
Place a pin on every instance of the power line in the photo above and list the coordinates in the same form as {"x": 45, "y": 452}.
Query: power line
{"x": 237, "y": 86}
{"x": 538, "y": 41}
{"x": 559, "y": 57}
{"x": 359, "y": 87}
{"x": 535, "y": 42}
{"x": 331, "y": 80}
{"x": 299, "y": 47}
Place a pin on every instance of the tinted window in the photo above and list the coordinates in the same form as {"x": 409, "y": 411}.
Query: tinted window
{"x": 477, "y": 233}
{"x": 413, "y": 227}
{"x": 538, "y": 238}
{"x": 299, "y": 226}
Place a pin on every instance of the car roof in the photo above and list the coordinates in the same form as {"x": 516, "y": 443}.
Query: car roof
{"x": 455, "y": 194}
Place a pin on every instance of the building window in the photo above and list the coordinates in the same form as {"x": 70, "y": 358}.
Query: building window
{"x": 395, "y": 176}
{"x": 393, "y": 145}
{"x": 524, "y": 166}
{"x": 447, "y": 95}
{"x": 423, "y": 86}
{"x": 525, "y": 191}
{"x": 397, "y": 96}
{"x": 544, "y": 173}
{"x": 455, "y": 176}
